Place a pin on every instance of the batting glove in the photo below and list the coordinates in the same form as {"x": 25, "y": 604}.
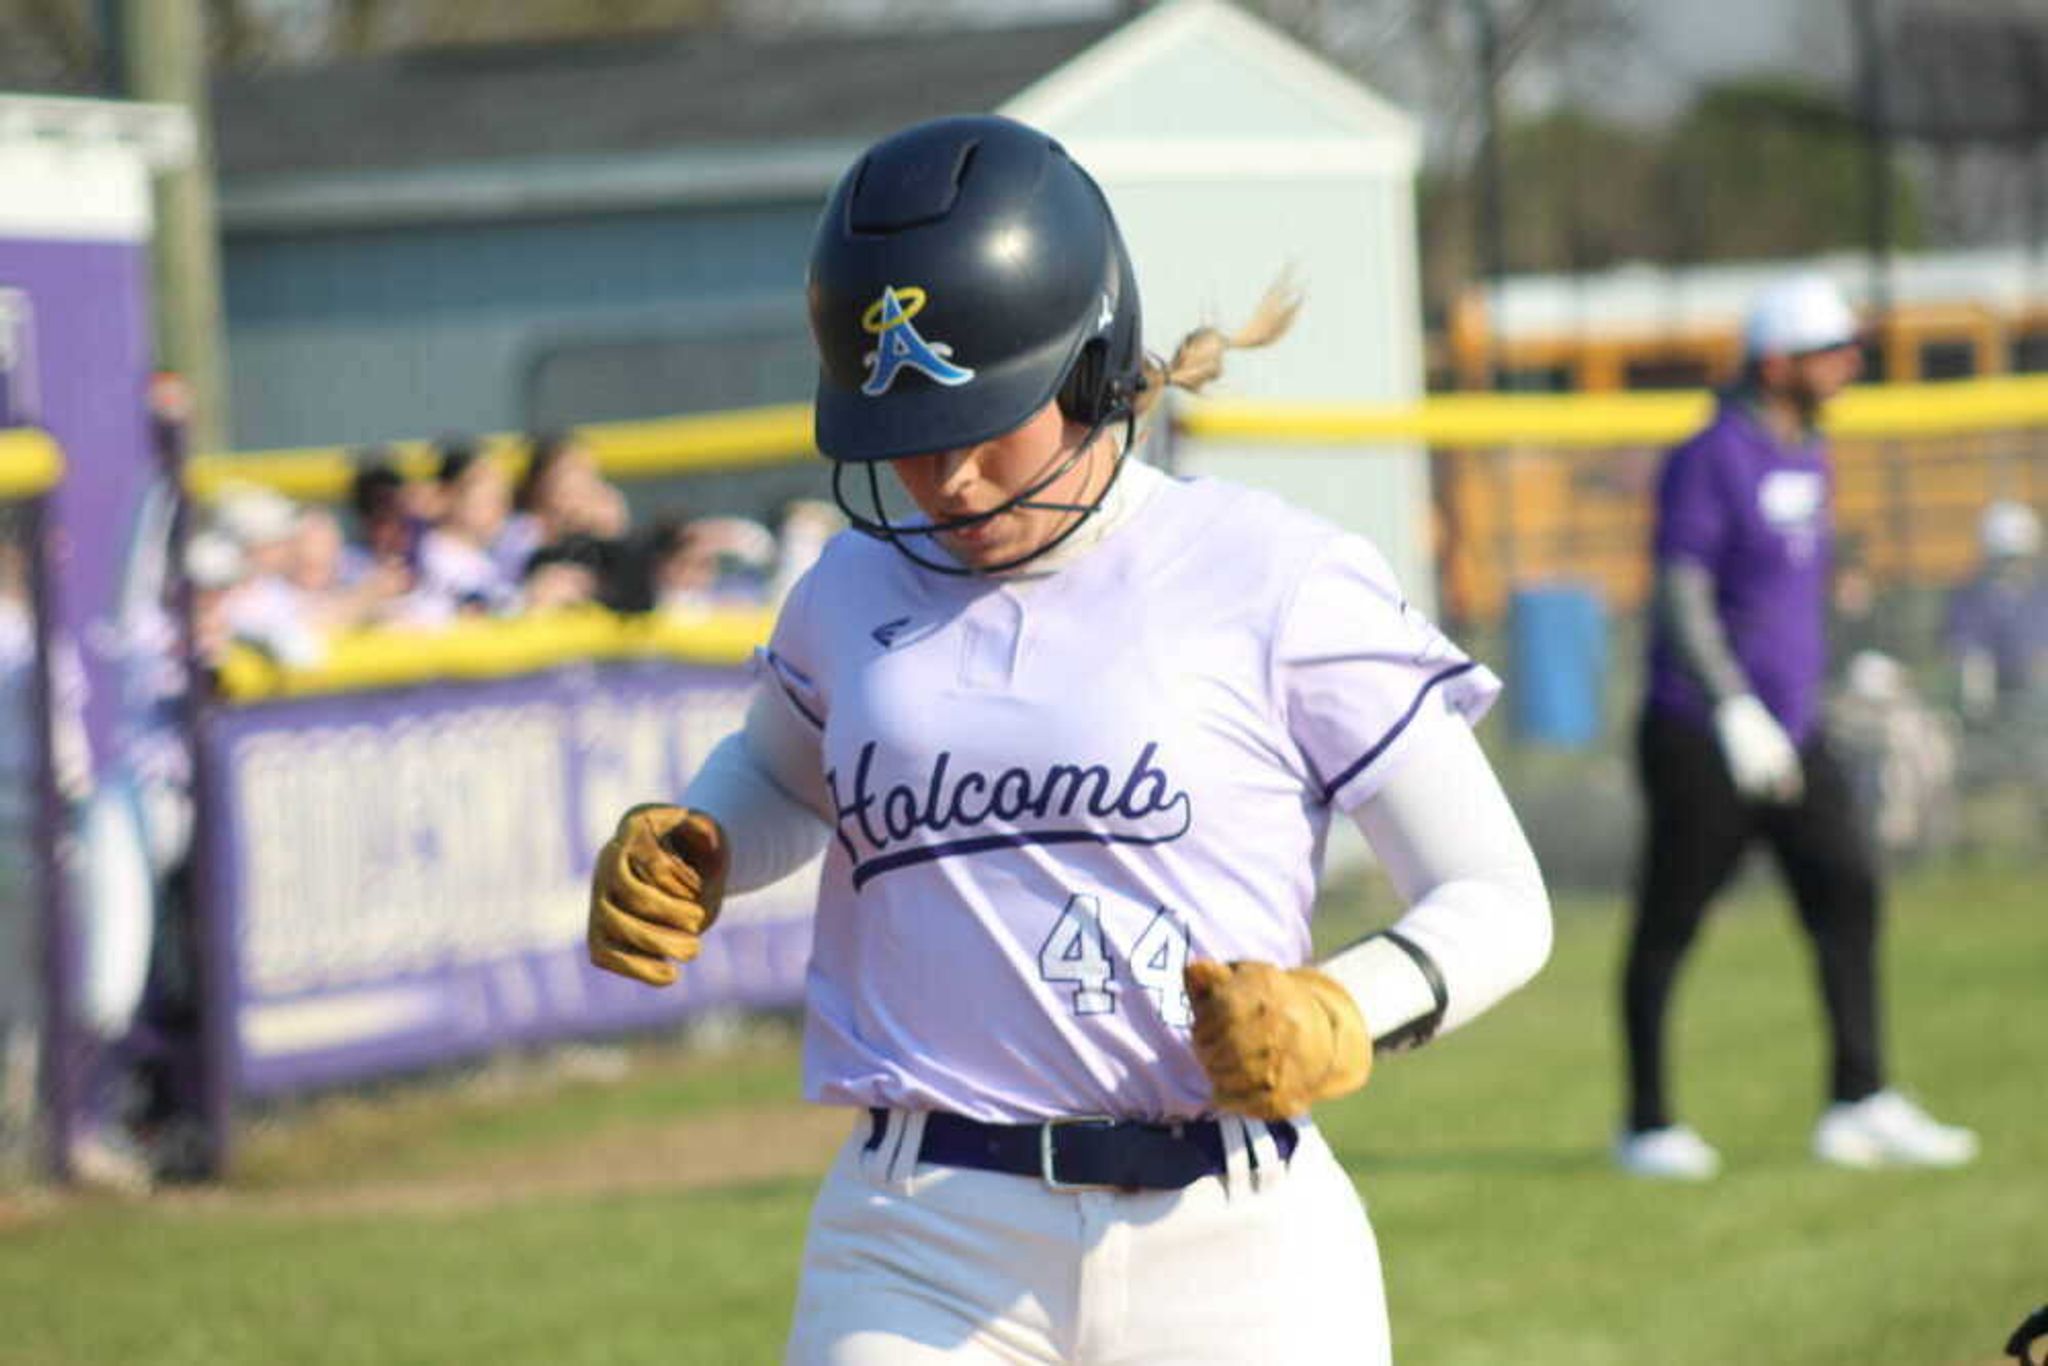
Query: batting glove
{"x": 657, "y": 887}
{"x": 1761, "y": 757}
{"x": 1275, "y": 1040}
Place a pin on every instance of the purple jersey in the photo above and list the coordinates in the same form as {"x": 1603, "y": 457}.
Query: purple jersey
{"x": 2006, "y": 617}
{"x": 1754, "y": 513}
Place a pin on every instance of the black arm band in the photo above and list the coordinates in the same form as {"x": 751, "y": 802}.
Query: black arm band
{"x": 1418, "y": 1031}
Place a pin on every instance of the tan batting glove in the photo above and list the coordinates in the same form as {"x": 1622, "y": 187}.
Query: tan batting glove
{"x": 1276, "y": 1040}
{"x": 657, "y": 887}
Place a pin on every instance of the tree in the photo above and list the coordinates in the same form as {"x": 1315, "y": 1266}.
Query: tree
{"x": 57, "y": 44}
{"x": 1767, "y": 167}
{"x": 48, "y": 45}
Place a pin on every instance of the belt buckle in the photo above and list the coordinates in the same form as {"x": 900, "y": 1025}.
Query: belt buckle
{"x": 1045, "y": 1154}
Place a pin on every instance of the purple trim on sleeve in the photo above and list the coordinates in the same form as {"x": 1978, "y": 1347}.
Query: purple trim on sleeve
{"x": 782, "y": 667}
{"x": 798, "y": 703}
{"x": 1336, "y": 785}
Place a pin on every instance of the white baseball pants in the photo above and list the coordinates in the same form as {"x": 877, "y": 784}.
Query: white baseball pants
{"x": 911, "y": 1263}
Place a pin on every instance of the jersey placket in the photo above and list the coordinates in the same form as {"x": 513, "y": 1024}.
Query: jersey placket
{"x": 992, "y": 643}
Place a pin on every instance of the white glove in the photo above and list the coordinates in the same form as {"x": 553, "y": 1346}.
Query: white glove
{"x": 1761, "y": 757}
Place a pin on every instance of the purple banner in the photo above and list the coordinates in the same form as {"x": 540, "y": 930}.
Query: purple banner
{"x": 400, "y": 878}
{"x": 85, "y": 367}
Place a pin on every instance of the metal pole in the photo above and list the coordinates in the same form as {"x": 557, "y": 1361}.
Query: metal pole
{"x": 1878, "y": 139}
{"x": 163, "y": 47}
{"x": 1492, "y": 241}
{"x": 113, "y": 49}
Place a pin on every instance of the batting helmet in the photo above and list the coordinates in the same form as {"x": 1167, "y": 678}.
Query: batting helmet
{"x": 966, "y": 273}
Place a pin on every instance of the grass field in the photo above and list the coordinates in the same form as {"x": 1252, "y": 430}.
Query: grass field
{"x": 547, "y": 1216}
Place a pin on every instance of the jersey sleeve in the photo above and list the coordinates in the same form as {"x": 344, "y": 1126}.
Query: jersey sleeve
{"x": 1357, "y": 668}
{"x": 789, "y": 667}
{"x": 1692, "y": 517}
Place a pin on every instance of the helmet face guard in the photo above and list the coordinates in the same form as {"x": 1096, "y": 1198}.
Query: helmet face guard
{"x": 909, "y": 536}
{"x": 965, "y": 274}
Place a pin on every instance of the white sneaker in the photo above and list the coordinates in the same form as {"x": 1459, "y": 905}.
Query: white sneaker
{"x": 1887, "y": 1130}
{"x": 109, "y": 1162}
{"x": 1672, "y": 1153}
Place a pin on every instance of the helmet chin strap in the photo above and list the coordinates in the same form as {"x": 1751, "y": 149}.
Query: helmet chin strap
{"x": 900, "y": 535}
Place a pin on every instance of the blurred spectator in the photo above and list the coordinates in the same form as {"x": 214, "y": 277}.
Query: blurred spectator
{"x": 807, "y": 523}
{"x": 567, "y": 573}
{"x": 260, "y": 521}
{"x": 316, "y": 552}
{"x": 1899, "y": 752}
{"x": 428, "y": 501}
{"x": 673, "y": 575}
{"x": 213, "y": 567}
{"x": 711, "y": 563}
{"x": 265, "y": 609}
{"x": 564, "y": 495}
{"x": 327, "y": 600}
{"x": 457, "y": 572}
{"x": 561, "y": 494}
{"x": 1998, "y": 620}
{"x": 387, "y": 528}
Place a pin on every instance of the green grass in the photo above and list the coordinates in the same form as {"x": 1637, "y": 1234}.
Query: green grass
{"x": 1505, "y": 1235}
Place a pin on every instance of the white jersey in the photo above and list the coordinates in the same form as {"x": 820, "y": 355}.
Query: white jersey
{"x": 1050, "y": 793}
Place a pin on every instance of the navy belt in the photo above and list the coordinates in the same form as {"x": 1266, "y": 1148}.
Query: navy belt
{"x": 1083, "y": 1154}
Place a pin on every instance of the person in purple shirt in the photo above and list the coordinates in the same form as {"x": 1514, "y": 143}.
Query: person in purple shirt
{"x": 1730, "y": 748}
{"x": 1998, "y": 621}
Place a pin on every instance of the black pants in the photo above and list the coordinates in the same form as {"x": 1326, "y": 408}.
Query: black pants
{"x": 1697, "y": 829}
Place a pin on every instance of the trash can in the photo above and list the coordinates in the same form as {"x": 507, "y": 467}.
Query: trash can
{"x": 1557, "y": 651}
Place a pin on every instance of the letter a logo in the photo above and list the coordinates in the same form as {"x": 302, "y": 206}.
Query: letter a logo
{"x": 897, "y": 343}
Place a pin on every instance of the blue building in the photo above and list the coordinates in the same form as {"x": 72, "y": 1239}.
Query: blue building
{"x": 494, "y": 238}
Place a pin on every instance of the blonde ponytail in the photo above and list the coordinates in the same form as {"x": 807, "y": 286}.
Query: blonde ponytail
{"x": 1198, "y": 360}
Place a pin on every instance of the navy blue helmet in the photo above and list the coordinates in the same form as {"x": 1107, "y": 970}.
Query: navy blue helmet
{"x": 966, "y": 273}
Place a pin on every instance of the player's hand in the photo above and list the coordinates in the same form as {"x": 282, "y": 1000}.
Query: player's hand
{"x": 1274, "y": 1040}
{"x": 657, "y": 887}
{"x": 1761, "y": 757}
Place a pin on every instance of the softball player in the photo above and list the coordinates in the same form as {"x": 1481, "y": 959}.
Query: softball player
{"x": 1072, "y": 734}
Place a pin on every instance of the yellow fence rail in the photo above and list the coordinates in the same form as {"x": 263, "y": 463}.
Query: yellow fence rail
{"x": 779, "y": 435}
{"x": 1467, "y": 420}
{"x": 30, "y": 463}
{"x": 625, "y": 450}
{"x": 489, "y": 648}
{"x": 1547, "y": 428}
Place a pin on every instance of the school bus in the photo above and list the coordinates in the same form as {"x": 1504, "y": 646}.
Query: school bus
{"x": 1906, "y": 510}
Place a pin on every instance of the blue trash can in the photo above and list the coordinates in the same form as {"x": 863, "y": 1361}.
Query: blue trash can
{"x": 1557, "y": 654}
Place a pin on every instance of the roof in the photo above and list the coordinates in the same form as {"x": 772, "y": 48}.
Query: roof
{"x": 682, "y": 92}
{"x": 1271, "y": 104}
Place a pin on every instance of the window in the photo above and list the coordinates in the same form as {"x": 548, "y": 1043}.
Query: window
{"x": 1947, "y": 360}
{"x": 2030, "y": 353}
{"x": 1666, "y": 372}
{"x": 1535, "y": 379}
